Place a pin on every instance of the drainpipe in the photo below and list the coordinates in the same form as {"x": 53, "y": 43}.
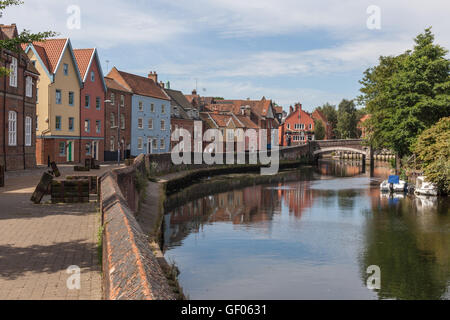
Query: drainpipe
{"x": 4, "y": 113}
{"x": 23, "y": 113}
{"x": 79, "y": 142}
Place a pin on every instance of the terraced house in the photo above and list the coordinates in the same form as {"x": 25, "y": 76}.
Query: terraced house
{"x": 17, "y": 106}
{"x": 150, "y": 112}
{"x": 92, "y": 109}
{"x": 58, "y": 107}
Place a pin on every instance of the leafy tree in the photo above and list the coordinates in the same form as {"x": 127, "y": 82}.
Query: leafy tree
{"x": 319, "y": 131}
{"x": 406, "y": 94}
{"x": 331, "y": 114}
{"x": 347, "y": 119}
{"x": 433, "y": 152}
{"x": 25, "y": 37}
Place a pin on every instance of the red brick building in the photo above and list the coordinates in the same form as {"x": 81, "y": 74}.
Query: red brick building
{"x": 298, "y": 127}
{"x": 362, "y": 127}
{"x": 92, "y": 108}
{"x": 120, "y": 98}
{"x": 17, "y": 106}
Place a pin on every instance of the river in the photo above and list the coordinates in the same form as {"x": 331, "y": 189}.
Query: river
{"x": 312, "y": 239}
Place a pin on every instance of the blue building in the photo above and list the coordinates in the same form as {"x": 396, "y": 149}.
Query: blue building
{"x": 150, "y": 113}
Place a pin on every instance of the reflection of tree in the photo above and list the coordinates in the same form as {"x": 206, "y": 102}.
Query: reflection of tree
{"x": 413, "y": 255}
{"x": 346, "y": 198}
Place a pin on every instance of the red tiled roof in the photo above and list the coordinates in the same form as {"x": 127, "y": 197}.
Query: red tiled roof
{"x": 50, "y": 52}
{"x": 222, "y": 120}
{"x": 139, "y": 85}
{"x": 260, "y": 107}
{"x": 113, "y": 84}
{"x": 83, "y": 57}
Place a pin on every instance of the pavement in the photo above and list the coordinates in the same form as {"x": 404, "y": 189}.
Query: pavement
{"x": 39, "y": 243}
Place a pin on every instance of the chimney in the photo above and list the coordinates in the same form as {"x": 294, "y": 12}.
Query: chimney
{"x": 194, "y": 92}
{"x": 161, "y": 84}
{"x": 291, "y": 110}
{"x": 298, "y": 107}
{"x": 154, "y": 76}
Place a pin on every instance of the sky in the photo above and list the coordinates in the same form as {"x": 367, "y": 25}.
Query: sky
{"x": 289, "y": 51}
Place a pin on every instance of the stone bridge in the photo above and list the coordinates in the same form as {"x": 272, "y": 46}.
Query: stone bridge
{"x": 313, "y": 149}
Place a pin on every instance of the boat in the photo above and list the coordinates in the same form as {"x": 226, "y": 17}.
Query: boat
{"x": 425, "y": 188}
{"x": 394, "y": 184}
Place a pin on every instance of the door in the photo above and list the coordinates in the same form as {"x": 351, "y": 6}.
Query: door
{"x": 69, "y": 151}
{"x": 95, "y": 150}
{"x": 149, "y": 145}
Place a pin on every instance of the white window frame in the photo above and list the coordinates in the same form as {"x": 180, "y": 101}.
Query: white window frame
{"x": 150, "y": 124}
{"x": 28, "y": 126}
{"x": 140, "y": 106}
{"x": 112, "y": 142}
{"x": 12, "y": 128}
{"x": 14, "y": 72}
{"x": 140, "y": 123}
{"x": 163, "y": 125}
{"x": 162, "y": 144}
{"x": 29, "y": 87}
{"x": 140, "y": 144}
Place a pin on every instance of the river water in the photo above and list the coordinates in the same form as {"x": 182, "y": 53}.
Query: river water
{"x": 312, "y": 239}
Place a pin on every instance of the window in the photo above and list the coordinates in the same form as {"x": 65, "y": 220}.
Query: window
{"x": 87, "y": 125}
{"x": 58, "y": 123}
{"x": 113, "y": 120}
{"x": 58, "y": 97}
{"x": 71, "y": 122}
{"x": 12, "y": 128}
{"x": 113, "y": 98}
{"x": 37, "y": 123}
{"x": 62, "y": 148}
{"x": 152, "y": 107}
{"x": 141, "y": 106}
{"x": 163, "y": 144}
{"x": 154, "y": 144}
{"x": 288, "y": 126}
{"x": 122, "y": 100}
{"x": 140, "y": 123}
{"x": 163, "y": 109}
{"x": 98, "y": 126}
{"x": 139, "y": 143}
{"x": 111, "y": 143}
{"x": 13, "y": 74}
{"x": 28, "y": 124}
{"x": 230, "y": 135}
{"x": 29, "y": 87}
{"x": 122, "y": 121}
{"x": 310, "y": 127}
{"x": 66, "y": 69}
{"x": 37, "y": 95}
{"x": 150, "y": 124}
{"x": 88, "y": 149}
{"x": 98, "y": 103}
{"x": 92, "y": 76}
{"x": 163, "y": 125}
{"x": 87, "y": 101}
{"x": 71, "y": 98}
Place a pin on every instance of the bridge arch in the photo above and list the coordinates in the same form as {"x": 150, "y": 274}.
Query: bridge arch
{"x": 346, "y": 149}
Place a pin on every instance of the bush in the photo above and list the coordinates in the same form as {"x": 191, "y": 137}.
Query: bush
{"x": 433, "y": 152}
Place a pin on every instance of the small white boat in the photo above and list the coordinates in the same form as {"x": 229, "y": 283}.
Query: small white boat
{"x": 425, "y": 188}
{"x": 400, "y": 187}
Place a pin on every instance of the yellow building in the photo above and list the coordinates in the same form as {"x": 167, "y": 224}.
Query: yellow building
{"x": 58, "y": 107}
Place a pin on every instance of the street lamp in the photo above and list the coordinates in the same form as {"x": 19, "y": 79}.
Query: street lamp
{"x": 118, "y": 130}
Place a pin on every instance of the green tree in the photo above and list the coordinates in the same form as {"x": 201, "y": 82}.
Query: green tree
{"x": 406, "y": 94}
{"x": 319, "y": 130}
{"x": 330, "y": 113}
{"x": 24, "y": 37}
{"x": 433, "y": 152}
{"x": 347, "y": 119}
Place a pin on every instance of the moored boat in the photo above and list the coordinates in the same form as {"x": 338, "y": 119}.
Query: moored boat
{"x": 425, "y": 188}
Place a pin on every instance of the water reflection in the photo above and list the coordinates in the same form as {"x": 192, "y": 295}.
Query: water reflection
{"x": 312, "y": 239}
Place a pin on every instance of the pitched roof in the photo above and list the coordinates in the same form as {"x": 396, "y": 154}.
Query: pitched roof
{"x": 83, "y": 57}
{"x": 50, "y": 52}
{"x": 222, "y": 120}
{"x": 259, "y": 107}
{"x": 139, "y": 85}
{"x": 113, "y": 84}
{"x": 179, "y": 98}
{"x": 10, "y": 31}
{"x": 319, "y": 114}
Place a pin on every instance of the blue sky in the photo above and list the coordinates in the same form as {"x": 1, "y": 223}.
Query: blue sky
{"x": 286, "y": 50}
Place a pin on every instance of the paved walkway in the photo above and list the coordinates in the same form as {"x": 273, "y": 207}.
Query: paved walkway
{"x": 39, "y": 242}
